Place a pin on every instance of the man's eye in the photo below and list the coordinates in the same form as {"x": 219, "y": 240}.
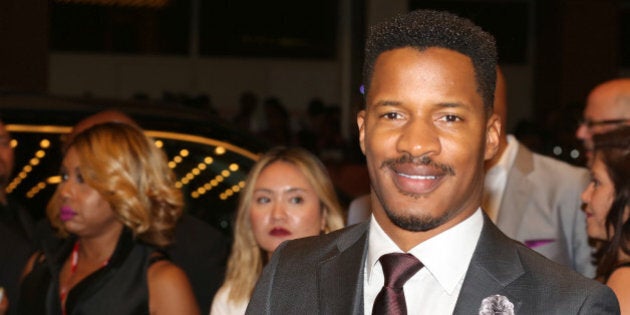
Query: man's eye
{"x": 451, "y": 118}
{"x": 391, "y": 115}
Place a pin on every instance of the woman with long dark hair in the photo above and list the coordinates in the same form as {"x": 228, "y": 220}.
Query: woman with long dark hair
{"x": 607, "y": 200}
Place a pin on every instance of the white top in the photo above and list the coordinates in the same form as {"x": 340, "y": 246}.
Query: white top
{"x": 359, "y": 210}
{"x": 446, "y": 256}
{"x": 222, "y": 306}
{"x": 496, "y": 179}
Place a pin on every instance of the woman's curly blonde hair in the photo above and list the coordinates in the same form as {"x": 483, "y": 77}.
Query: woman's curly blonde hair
{"x": 131, "y": 174}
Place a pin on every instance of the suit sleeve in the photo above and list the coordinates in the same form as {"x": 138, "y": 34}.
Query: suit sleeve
{"x": 601, "y": 301}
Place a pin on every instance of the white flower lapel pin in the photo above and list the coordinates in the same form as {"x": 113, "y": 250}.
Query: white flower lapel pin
{"x": 496, "y": 304}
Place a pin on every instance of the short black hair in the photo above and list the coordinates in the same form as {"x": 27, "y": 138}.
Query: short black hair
{"x": 422, "y": 29}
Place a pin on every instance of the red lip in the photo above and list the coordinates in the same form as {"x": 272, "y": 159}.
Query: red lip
{"x": 279, "y": 232}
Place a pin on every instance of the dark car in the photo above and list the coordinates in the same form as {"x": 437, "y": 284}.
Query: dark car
{"x": 210, "y": 158}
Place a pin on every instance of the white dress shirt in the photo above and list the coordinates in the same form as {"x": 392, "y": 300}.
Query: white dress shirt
{"x": 435, "y": 288}
{"x": 496, "y": 179}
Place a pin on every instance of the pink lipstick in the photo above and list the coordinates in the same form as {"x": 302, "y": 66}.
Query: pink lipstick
{"x": 66, "y": 213}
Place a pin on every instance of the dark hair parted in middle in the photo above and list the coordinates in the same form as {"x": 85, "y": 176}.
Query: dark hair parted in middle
{"x": 424, "y": 29}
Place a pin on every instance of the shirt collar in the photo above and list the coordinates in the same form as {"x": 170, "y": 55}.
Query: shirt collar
{"x": 447, "y": 266}
{"x": 508, "y": 156}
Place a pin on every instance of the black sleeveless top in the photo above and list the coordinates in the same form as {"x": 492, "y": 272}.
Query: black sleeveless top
{"x": 120, "y": 287}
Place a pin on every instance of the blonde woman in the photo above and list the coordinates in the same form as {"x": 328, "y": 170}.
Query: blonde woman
{"x": 117, "y": 206}
{"x": 288, "y": 195}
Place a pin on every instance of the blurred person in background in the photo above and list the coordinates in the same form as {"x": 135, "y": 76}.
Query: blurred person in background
{"x": 288, "y": 195}
{"x": 277, "y": 130}
{"x": 245, "y": 118}
{"x": 198, "y": 248}
{"x": 16, "y": 228}
{"x": 12, "y": 214}
{"x": 607, "y": 200}
{"x": 116, "y": 208}
{"x": 607, "y": 108}
{"x": 535, "y": 199}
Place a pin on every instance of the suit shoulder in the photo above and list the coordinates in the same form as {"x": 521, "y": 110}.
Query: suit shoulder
{"x": 552, "y": 166}
{"x": 317, "y": 247}
{"x": 550, "y": 284}
{"x": 539, "y": 268}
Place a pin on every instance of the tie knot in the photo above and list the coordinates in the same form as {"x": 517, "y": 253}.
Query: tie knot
{"x": 398, "y": 268}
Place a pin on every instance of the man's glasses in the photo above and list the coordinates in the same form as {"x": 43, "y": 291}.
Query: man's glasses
{"x": 607, "y": 122}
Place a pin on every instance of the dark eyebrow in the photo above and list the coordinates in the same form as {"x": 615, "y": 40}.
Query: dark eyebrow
{"x": 456, "y": 105}
{"x": 387, "y": 103}
{"x": 440, "y": 105}
{"x": 451, "y": 105}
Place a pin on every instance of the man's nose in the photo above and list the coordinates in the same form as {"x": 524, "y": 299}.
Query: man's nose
{"x": 419, "y": 138}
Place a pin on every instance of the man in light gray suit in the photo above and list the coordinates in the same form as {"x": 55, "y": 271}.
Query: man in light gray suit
{"x": 426, "y": 131}
{"x": 535, "y": 199}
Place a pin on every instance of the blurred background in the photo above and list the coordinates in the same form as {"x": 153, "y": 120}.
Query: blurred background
{"x": 245, "y": 75}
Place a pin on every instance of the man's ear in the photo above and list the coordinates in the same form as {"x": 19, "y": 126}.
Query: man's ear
{"x": 361, "y": 125}
{"x": 493, "y": 134}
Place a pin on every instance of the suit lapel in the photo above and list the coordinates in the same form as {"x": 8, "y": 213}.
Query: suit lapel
{"x": 494, "y": 265}
{"x": 340, "y": 274}
{"x": 517, "y": 193}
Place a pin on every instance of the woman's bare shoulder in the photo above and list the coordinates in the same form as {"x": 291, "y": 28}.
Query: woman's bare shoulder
{"x": 169, "y": 290}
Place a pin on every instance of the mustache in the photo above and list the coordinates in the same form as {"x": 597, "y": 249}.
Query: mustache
{"x": 423, "y": 160}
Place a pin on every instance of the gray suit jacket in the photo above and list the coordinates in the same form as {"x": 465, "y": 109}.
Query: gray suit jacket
{"x": 324, "y": 275}
{"x": 541, "y": 208}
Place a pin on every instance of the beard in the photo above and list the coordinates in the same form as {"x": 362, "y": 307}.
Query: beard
{"x": 416, "y": 222}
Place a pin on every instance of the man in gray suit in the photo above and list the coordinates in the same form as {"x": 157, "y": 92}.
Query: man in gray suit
{"x": 535, "y": 199}
{"x": 426, "y": 131}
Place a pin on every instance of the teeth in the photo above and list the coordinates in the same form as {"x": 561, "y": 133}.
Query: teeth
{"x": 418, "y": 177}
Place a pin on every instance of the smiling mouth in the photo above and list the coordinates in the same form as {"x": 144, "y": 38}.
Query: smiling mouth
{"x": 419, "y": 177}
{"x": 413, "y": 184}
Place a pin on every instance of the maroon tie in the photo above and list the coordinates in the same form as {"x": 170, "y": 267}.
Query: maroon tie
{"x": 397, "y": 268}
